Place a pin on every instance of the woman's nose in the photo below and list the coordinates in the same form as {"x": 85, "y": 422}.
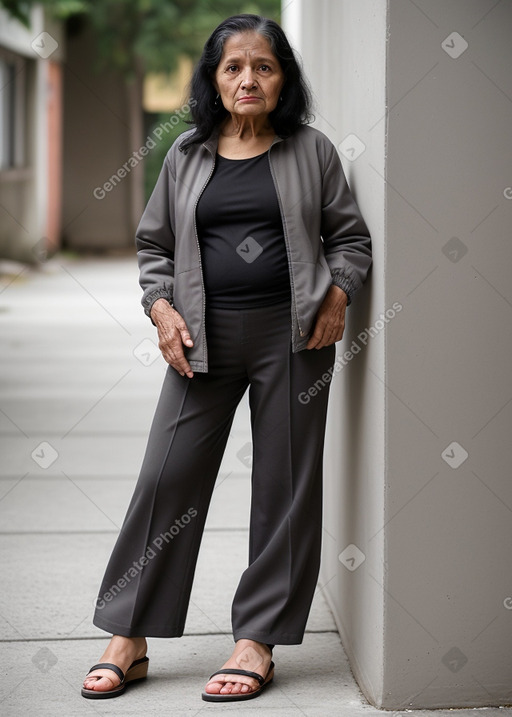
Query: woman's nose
{"x": 248, "y": 80}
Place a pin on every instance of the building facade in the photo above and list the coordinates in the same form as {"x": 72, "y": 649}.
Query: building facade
{"x": 31, "y": 136}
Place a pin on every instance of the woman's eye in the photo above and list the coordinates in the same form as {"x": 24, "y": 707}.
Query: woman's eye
{"x": 265, "y": 68}
{"x": 232, "y": 68}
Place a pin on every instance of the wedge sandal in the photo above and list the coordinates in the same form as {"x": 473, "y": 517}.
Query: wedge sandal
{"x": 239, "y": 696}
{"x": 138, "y": 670}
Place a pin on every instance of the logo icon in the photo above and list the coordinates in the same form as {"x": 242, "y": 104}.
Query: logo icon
{"x": 44, "y": 659}
{"x": 245, "y": 454}
{"x": 146, "y": 352}
{"x": 454, "y": 455}
{"x": 249, "y": 250}
{"x": 44, "y": 455}
{"x": 352, "y": 147}
{"x": 454, "y": 45}
{"x": 454, "y": 659}
{"x": 454, "y": 249}
{"x": 351, "y": 557}
{"x": 44, "y": 44}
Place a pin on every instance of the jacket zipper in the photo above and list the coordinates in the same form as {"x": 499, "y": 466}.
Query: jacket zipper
{"x": 287, "y": 244}
{"x": 203, "y": 331}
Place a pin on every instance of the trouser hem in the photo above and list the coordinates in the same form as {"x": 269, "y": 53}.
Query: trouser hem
{"x": 138, "y": 630}
{"x": 269, "y": 638}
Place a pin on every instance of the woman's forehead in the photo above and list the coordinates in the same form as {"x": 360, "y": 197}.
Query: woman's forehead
{"x": 248, "y": 43}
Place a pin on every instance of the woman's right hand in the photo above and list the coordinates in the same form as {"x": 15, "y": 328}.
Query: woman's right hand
{"x": 172, "y": 335}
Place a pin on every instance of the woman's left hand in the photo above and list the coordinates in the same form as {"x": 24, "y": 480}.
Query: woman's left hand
{"x": 330, "y": 319}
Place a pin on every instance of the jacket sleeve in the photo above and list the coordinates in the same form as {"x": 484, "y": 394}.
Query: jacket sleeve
{"x": 155, "y": 241}
{"x": 347, "y": 242}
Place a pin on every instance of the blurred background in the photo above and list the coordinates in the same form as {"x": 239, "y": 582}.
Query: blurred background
{"x": 93, "y": 95}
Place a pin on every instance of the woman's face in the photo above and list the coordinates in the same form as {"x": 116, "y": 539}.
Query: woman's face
{"x": 249, "y": 78}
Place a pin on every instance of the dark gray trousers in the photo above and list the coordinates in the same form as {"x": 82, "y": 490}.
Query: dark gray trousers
{"x": 147, "y": 584}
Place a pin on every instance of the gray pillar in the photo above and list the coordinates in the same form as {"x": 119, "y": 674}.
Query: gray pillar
{"x": 417, "y": 560}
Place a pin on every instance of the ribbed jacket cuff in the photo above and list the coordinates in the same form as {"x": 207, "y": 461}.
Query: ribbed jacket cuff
{"x": 149, "y": 300}
{"x": 341, "y": 279}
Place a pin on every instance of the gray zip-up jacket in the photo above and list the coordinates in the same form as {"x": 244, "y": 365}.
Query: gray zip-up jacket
{"x": 327, "y": 240}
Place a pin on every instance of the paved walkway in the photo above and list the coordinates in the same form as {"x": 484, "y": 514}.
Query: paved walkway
{"x": 80, "y": 376}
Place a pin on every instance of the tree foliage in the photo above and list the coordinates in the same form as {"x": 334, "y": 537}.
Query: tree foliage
{"x": 61, "y": 9}
{"x": 136, "y": 36}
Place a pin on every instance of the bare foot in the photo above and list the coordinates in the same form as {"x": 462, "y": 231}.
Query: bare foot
{"x": 247, "y": 655}
{"x": 121, "y": 651}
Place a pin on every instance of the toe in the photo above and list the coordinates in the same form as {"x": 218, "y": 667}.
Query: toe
{"x": 100, "y": 683}
{"x": 227, "y": 688}
{"x": 213, "y": 688}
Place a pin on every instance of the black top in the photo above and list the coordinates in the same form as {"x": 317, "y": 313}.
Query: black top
{"x": 243, "y": 251}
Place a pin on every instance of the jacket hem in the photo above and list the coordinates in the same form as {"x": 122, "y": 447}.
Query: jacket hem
{"x": 300, "y": 344}
{"x": 198, "y": 366}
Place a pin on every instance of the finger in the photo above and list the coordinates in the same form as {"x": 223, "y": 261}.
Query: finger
{"x": 185, "y": 337}
{"x": 339, "y": 330}
{"x": 175, "y": 329}
{"x": 311, "y": 344}
{"x": 328, "y": 335}
{"x": 330, "y": 338}
{"x": 174, "y": 356}
{"x": 182, "y": 366}
{"x": 182, "y": 369}
{"x": 171, "y": 346}
{"x": 317, "y": 337}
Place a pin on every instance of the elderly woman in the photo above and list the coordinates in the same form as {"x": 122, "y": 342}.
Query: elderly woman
{"x": 250, "y": 248}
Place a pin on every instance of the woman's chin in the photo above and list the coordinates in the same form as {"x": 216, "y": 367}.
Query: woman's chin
{"x": 251, "y": 109}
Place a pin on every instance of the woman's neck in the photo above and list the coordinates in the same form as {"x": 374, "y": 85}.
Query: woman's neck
{"x": 247, "y": 128}
{"x": 243, "y": 142}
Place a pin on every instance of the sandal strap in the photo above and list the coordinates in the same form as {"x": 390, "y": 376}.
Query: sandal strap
{"x": 108, "y": 666}
{"x": 247, "y": 673}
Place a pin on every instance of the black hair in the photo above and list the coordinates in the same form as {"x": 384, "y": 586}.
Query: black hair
{"x": 294, "y": 106}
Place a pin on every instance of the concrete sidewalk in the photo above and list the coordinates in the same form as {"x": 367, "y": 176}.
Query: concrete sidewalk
{"x": 80, "y": 376}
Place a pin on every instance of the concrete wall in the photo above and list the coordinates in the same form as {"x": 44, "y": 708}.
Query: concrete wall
{"x": 354, "y": 476}
{"x": 418, "y": 524}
